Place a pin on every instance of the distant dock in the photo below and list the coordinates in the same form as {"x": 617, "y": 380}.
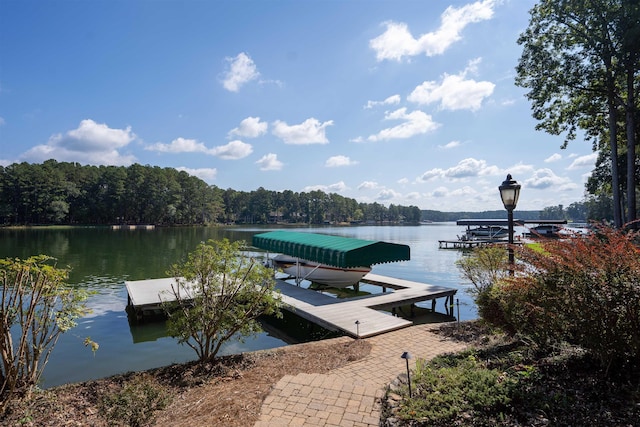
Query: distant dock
{"x": 358, "y": 317}
{"x": 133, "y": 227}
{"x": 468, "y": 244}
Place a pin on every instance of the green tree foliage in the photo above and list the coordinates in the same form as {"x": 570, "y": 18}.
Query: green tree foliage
{"x": 37, "y": 307}
{"x": 68, "y": 193}
{"x": 582, "y": 290}
{"x": 580, "y": 62}
{"x": 220, "y": 293}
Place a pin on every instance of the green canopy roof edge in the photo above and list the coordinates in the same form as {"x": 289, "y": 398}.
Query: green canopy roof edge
{"x": 331, "y": 250}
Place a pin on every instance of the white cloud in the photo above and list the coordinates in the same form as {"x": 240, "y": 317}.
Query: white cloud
{"x": 269, "y": 162}
{"x": 241, "y": 70}
{"x": 388, "y": 194}
{"x": 442, "y": 192}
{"x": 331, "y": 188}
{"x": 338, "y": 187}
{"x": 91, "y": 143}
{"x": 368, "y": 185}
{"x": 251, "y": 127}
{"x": 2, "y": 122}
{"x": 454, "y": 92}
{"x": 392, "y": 100}
{"x": 414, "y": 195}
{"x": 233, "y": 151}
{"x": 519, "y": 169}
{"x": 403, "y": 181}
{"x": 466, "y": 168}
{"x": 584, "y": 161}
{"x": 311, "y": 131}
{"x": 415, "y": 123}
{"x": 205, "y": 174}
{"x": 449, "y": 145}
{"x": 463, "y": 191}
{"x": 546, "y": 178}
{"x": 553, "y": 158}
{"x": 397, "y": 41}
{"x": 337, "y": 161}
{"x": 179, "y": 145}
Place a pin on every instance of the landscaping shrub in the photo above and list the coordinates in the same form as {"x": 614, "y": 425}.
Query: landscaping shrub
{"x": 453, "y": 387}
{"x": 583, "y": 290}
{"x": 135, "y": 404}
{"x": 485, "y": 267}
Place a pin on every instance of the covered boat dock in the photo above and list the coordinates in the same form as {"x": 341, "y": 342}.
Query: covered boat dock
{"x": 358, "y": 317}
{"x": 336, "y": 251}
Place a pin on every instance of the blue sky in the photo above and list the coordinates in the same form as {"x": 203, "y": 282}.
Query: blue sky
{"x": 403, "y": 102}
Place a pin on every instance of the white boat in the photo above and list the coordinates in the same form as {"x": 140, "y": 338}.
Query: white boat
{"x": 319, "y": 273}
{"x": 486, "y": 232}
{"x": 546, "y": 230}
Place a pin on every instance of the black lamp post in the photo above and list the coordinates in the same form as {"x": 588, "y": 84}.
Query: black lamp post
{"x": 509, "y": 192}
{"x": 406, "y": 356}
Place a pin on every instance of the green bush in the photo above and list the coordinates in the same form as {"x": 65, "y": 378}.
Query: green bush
{"x": 135, "y": 404}
{"x": 485, "y": 268}
{"x": 450, "y": 387}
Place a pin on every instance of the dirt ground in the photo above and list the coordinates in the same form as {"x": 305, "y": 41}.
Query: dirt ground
{"x": 229, "y": 392}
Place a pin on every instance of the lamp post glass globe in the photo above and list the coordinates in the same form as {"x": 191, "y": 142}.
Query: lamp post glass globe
{"x": 509, "y": 192}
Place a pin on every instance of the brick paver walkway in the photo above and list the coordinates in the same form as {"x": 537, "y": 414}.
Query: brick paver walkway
{"x": 350, "y": 395}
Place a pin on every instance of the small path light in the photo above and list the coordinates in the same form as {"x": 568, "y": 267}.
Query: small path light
{"x": 406, "y": 356}
{"x": 358, "y": 328}
{"x": 509, "y": 192}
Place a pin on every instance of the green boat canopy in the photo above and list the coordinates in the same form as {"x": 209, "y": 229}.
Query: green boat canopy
{"x": 343, "y": 252}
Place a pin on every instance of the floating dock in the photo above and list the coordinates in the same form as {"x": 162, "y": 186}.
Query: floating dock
{"x": 359, "y": 317}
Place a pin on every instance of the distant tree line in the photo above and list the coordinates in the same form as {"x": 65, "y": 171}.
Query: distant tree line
{"x": 591, "y": 209}
{"x": 69, "y": 193}
{"x": 438, "y": 216}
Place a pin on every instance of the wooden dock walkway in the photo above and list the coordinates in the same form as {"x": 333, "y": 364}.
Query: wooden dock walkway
{"x": 358, "y": 317}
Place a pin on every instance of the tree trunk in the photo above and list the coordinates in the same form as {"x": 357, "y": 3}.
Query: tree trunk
{"x": 615, "y": 177}
{"x": 631, "y": 147}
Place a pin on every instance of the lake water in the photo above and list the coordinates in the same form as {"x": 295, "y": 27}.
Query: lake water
{"x": 101, "y": 260}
